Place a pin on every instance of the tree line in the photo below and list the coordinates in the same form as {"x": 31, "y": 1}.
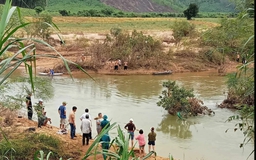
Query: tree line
{"x": 27, "y": 3}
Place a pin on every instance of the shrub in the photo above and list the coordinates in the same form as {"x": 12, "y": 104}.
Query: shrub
{"x": 182, "y": 29}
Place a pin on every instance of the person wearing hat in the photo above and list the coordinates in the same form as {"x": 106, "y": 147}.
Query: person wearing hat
{"x": 151, "y": 140}
{"x": 39, "y": 108}
{"x": 29, "y": 106}
{"x": 130, "y": 127}
{"x": 62, "y": 113}
{"x": 105, "y": 122}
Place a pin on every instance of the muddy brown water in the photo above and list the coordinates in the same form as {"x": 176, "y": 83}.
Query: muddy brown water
{"x": 135, "y": 96}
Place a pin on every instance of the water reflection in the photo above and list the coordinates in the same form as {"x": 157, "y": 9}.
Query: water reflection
{"x": 175, "y": 127}
{"x": 135, "y": 87}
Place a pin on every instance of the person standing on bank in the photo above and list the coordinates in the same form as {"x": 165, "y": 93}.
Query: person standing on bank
{"x": 151, "y": 140}
{"x": 105, "y": 122}
{"x": 39, "y": 108}
{"x": 237, "y": 57}
{"x": 86, "y": 129}
{"x": 62, "y": 113}
{"x": 130, "y": 127}
{"x": 142, "y": 142}
{"x": 125, "y": 65}
{"x": 84, "y": 116}
{"x": 105, "y": 140}
{"x": 98, "y": 122}
{"x": 29, "y": 106}
{"x": 72, "y": 120}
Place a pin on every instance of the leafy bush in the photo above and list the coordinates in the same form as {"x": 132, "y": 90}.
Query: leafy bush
{"x": 182, "y": 29}
{"x": 29, "y": 143}
{"x": 178, "y": 100}
{"x": 41, "y": 27}
{"x": 230, "y": 35}
{"x": 137, "y": 49}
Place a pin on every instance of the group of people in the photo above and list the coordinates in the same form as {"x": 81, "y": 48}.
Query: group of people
{"x": 131, "y": 128}
{"x": 243, "y": 58}
{"x": 86, "y": 125}
{"x": 39, "y": 108}
{"x": 117, "y": 64}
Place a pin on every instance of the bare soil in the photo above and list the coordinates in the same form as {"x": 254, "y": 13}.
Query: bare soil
{"x": 72, "y": 52}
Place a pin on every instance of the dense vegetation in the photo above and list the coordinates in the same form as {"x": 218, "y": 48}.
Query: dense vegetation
{"x": 95, "y": 8}
{"x": 181, "y": 101}
{"x": 204, "y": 5}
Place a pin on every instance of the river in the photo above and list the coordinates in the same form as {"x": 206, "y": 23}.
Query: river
{"x": 135, "y": 96}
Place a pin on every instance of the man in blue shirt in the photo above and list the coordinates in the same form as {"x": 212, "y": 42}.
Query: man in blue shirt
{"x": 62, "y": 113}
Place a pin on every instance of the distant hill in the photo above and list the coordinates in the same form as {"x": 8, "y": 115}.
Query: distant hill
{"x": 137, "y": 6}
{"x": 170, "y": 5}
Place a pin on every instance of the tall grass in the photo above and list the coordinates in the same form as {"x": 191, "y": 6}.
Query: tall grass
{"x": 103, "y": 25}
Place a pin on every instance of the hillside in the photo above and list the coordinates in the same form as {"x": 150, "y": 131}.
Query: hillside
{"x": 141, "y": 6}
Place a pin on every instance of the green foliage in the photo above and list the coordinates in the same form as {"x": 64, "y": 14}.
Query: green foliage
{"x": 230, "y": 35}
{"x": 215, "y": 5}
{"x": 137, "y": 49}
{"x": 64, "y": 12}
{"x": 241, "y": 85}
{"x": 191, "y": 11}
{"x": 182, "y": 29}
{"x": 27, "y": 3}
{"x": 174, "y": 96}
{"x": 120, "y": 146}
{"x": 38, "y": 9}
{"x": 27, "y": 146}
{"x": 41, "y": 28}
{"x": 24, "y": 47}
{"x": 177, "y": 6}
{"x": 43, "y": 89}
{"x": 245, "y": 125}
{"x": 181, "y": 101}
{"x": 214, "y": 56}
{"x": 42, "y": 157}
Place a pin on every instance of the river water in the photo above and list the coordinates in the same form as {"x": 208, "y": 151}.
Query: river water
{"x": 135, "y": 96}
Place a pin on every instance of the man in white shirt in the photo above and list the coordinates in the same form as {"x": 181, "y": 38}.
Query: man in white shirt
{"x": 86, "y": 128}
{"x": 86, "y": 113}
{"x": 83, "y": 117}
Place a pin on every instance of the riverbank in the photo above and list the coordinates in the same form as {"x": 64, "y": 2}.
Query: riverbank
{"x": 16, "y": 128}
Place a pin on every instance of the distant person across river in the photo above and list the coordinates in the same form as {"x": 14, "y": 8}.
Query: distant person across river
{"x": 125, "y": 65}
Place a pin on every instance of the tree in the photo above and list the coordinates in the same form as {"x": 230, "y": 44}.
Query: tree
{"x": 181, "y": 101}
{"x": 64, "y": 12}
{"x": 192, "y": 11}
{"x": 38, "y": 9}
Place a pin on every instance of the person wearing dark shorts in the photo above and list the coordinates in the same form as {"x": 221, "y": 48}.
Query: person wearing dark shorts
{"x": 151, "y": 140}
{"x": 116, "y": 65}
{"x": 130, "y": 127}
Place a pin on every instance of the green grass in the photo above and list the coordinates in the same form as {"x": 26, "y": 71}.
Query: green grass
{"x": 103, "y": 25}
{"x": 26, "y": 145}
